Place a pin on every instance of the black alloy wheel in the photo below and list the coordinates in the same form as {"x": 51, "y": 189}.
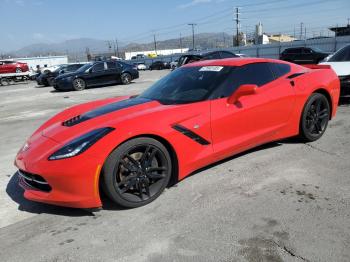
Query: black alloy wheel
{"x": 126, "y": 78}
{"x": 137, "y": 172}
{"x": 79, "y": 84}
{"x": 315, "y": 117}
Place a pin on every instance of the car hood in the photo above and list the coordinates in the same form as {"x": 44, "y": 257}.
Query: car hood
{"x": 83, "y": 119}
{"x": 70, "y": 74}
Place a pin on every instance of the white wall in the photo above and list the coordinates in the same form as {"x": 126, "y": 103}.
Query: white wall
{"x": 42, "y": 61}
{"x": 128, "y": 55}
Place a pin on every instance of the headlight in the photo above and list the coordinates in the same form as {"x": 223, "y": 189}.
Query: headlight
{"x": 80, "y": 144}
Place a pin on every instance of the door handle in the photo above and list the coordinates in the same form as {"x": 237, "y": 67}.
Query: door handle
{"x": 292, "y": 83}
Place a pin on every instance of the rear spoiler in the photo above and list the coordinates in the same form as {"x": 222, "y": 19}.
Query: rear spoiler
{"x": 314, "y": 66}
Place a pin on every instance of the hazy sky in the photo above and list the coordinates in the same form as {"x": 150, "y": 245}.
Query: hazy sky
{"x": 26, "y": 22}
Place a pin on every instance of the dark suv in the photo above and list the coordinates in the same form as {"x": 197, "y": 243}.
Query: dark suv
{"x": 97, "y": 74}
{"x": 186, "y": 59}
{"x": 303, "y": 55}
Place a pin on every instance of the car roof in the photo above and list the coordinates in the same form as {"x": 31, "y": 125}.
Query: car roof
{"x": 237, "y": 61}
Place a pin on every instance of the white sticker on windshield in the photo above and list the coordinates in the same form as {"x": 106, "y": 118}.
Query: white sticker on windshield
{"x": 211, "y": 68}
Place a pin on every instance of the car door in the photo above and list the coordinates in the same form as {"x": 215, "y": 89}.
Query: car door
{"x": 113, "y": 71}
{"x": 308, "y": 56}
{"x": 236, "y": 127}
{"x": 97, "y": 74}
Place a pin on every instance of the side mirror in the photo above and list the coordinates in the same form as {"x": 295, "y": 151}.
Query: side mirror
{"x": 243, "y": 90}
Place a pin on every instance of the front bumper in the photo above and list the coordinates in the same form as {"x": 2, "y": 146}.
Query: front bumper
{"x": 71, "y": 182}
{"x": 63, "y": 84}
{"x": 344, "y": 85}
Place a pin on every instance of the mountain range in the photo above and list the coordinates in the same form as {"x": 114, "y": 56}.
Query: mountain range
{"x": 78, "y": 47}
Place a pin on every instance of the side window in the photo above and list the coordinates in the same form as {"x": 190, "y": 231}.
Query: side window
{"x": 215, "y": 55}
{"x": 111, "y": 65}
{"x": 256, "y": 74}
{"x": 342, "y": 55}
{"x": 307, "y": 51}
{"x": 98, "y": 67}
{"x": 226, "y": 54}
{"x": 279, "y": 69}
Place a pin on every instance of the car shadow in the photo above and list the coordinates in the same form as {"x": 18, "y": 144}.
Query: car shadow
{"x": 15, "y": 192}
{"x": 256, "y": 149}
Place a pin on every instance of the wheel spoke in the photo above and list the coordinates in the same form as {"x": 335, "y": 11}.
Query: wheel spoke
{"x": 160, "y": 168}
{"x": 152, "y": 155}
{"x": 132, "y": 160}
{"x": 318, "y": 127}
{"x": 318, "y": 105}
{"x": 144, "y": 155}
{"x": 140, "y": 189}
{"x": 156, "y": 176}
{"x": 323, "y": 114}
{"x": 128, "y": 184}
{"x": 128, "y": 166}
{"x": 146, "y": 184}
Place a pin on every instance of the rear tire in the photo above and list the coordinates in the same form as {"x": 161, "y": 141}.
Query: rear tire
{"x": 315, "y": 117}
{"x": 126, "y": 78}
{"x": 137, "y": 172}
{"x": 79, "y": 84}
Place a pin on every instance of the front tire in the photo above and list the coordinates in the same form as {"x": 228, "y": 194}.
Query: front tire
{"x": 137, "y": 172}
{"x": 79, "y": 84}
{"x": 315, "y": 117}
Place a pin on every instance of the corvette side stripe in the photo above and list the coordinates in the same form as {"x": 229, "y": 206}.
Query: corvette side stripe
{"x": 191, "y": 134}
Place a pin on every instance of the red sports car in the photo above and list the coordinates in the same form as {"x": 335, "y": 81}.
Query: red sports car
{"x": 7, "y": 67}
{"x": 132, "y": 146}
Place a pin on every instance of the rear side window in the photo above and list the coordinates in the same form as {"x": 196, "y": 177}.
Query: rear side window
{"x": 215, "y": 55}
{"x": 341, "y": 55}
{"x": 226, "y": 54}
{"x": 98, "y": 67}
{"x": 111, "y": 65}
{"x": 257, "y": 74}
{"x": 279, "y": 69}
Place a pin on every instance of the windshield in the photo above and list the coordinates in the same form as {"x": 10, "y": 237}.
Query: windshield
{"x": 187, "y": 84}
{"x": 84, "y": 67}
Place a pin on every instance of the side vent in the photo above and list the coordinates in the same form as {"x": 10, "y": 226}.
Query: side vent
{"x": 192, "y": 135}
{"x": 72, "y": 121}
{"x": 295, "y": 75}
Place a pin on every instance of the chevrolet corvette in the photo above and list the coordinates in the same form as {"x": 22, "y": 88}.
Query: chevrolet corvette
{"x": 132, "y": 146}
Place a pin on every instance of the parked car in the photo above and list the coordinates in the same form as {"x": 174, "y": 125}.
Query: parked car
{"x": 173, "y": 64}
{"x": 340, "y": 63}
{"x": 8, "y": 67}
{"x": 96, "y": 74}
{"x": 159, "y": 65}
{"x": 131, "y": 146}
{"x": 303, "y": 55}
{"x": 190, "y": 58}
{"x": 47, "y": 78}
{"x": 140, "y": 66}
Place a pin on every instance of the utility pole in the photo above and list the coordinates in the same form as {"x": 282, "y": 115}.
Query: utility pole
{"x": 181, "y": 42}
{"x": 192, "y": 24}
{"x": 301, "y": 30}
{"x": 116, "y": 42}
{"x": 305, "y": 32}
{"x": 155, "y": 43}
{"x": 237, "y": 27}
